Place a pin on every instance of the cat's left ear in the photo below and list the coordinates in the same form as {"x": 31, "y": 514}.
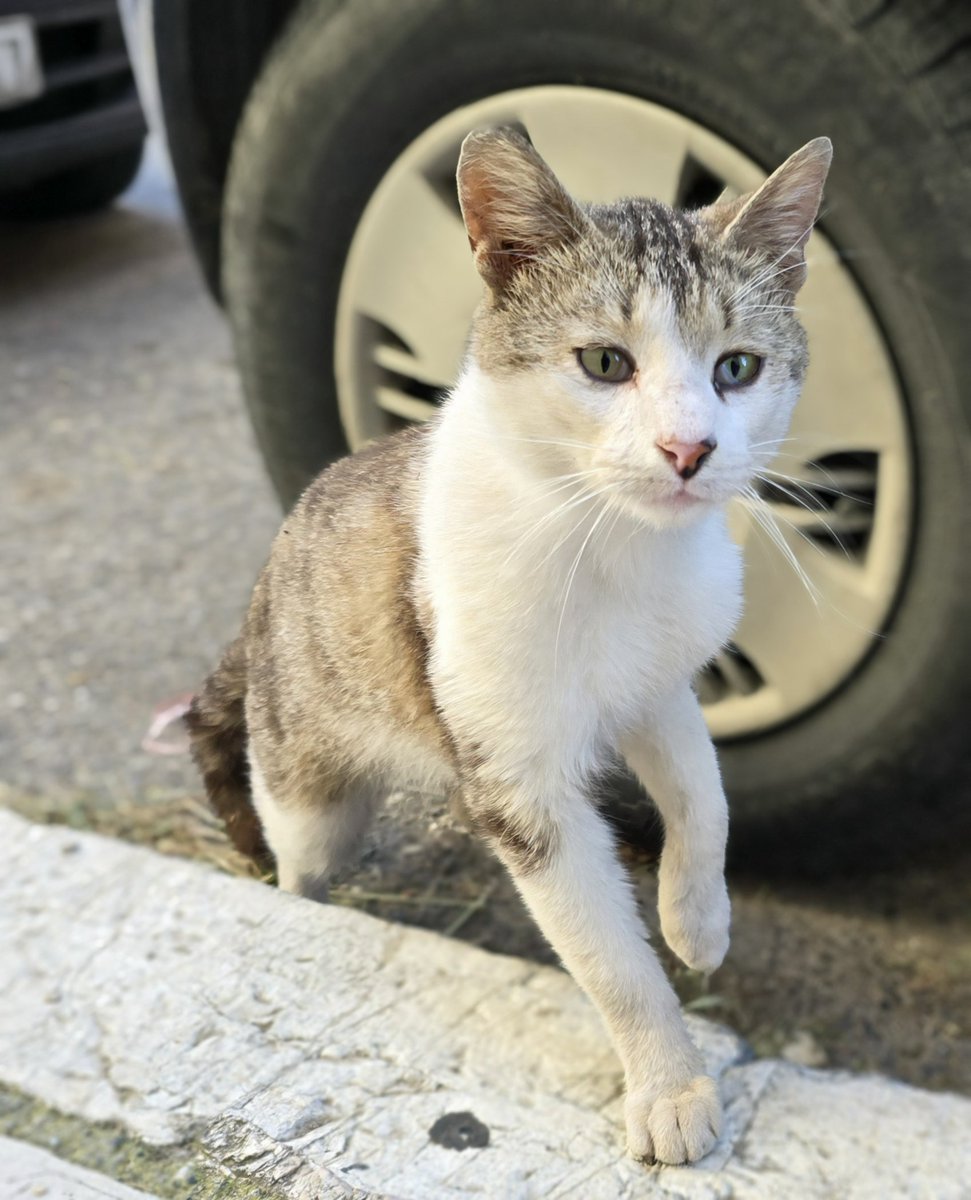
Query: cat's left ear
{"x": 514, "y": 207}
{"x": 778, "y": 218}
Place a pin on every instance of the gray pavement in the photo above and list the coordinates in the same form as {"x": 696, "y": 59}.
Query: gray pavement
{"x": 135, "y": 510}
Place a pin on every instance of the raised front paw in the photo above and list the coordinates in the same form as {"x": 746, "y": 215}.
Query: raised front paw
{"x": 695, "y": 920}
{"x": 677, "y": 1125}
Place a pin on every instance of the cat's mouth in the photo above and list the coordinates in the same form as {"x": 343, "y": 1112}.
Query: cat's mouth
{"x": 679, "y": 495}
{"x": 682, "y": 498}
{"x": 657, "y": 502}
{"x": 682, "y": 503}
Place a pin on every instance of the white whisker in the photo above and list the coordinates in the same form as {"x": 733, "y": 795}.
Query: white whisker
{"x": 809, "y": 485}
{"x": 546, "y": 441}
{"x": 569, "y": 582}
{"x": 764, "y": 517}
{"x": 585, "y": 496}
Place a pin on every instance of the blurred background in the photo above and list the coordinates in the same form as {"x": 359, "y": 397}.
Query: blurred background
{"x": 283, "y": 256}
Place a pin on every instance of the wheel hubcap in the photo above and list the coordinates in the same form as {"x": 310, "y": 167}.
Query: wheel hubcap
{"x": 825, "y": 557}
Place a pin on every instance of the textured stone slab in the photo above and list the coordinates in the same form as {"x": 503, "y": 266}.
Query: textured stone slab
{"x": 334, "y": 1054}
{"x": 27, "y": 1173}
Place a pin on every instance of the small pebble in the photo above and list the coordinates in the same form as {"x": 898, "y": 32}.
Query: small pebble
{"x": 803, "y": 1050}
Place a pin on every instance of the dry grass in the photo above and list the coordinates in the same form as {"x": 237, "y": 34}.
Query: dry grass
{"x": 172, "y": 823}
{"x": 184, "y": 826}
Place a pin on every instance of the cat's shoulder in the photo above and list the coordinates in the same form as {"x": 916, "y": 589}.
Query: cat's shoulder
{"x": 381, "y": 471}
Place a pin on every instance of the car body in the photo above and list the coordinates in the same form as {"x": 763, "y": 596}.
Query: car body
{"x": 71, "y": 126}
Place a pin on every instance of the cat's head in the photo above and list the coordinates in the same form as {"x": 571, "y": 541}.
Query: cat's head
{"x": 659, "y": 350}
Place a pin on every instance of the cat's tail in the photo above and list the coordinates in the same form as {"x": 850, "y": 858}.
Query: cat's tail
{"x": 217, "y": 735}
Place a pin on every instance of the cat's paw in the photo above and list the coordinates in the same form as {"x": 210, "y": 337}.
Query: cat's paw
{"x": 695, "y": 921}
{"x": 677, "y": 1125}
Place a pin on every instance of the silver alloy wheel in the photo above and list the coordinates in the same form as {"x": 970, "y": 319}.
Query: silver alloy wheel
{"x": 821, "y": 583}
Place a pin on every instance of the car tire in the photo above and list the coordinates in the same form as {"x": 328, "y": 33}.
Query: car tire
{"x": 881, "y": 766}
{"x": 76, "y": 190}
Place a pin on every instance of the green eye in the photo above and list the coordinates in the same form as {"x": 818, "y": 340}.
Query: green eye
{"x": 606, "y": 364}
{"x": 735, "y": 369}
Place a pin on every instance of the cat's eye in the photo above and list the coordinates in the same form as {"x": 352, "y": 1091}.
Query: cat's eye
{"x": 738, "y": 368}
{"x": 606, "y": 364}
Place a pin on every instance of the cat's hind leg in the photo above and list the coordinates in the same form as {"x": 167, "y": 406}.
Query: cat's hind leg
{"x": 313, "y": 829}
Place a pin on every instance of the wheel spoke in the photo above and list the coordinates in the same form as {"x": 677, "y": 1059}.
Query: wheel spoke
{"x": 831, "y": 613}
{"x": 737, "y": 673}
{"x": 851, "y": 400}
{"x": 418, "y": 279}
{"x": 400, "y": 404}
{"x": 400, "y": 362}
{"x": 818, "y": 508}
{"x": 824, "y": 522}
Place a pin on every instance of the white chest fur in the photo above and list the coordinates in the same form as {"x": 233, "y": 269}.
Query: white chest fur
{"x": 553, "y": 637}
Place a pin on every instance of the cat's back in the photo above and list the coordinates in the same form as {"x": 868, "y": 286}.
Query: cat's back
{"x": 332, "y": 626}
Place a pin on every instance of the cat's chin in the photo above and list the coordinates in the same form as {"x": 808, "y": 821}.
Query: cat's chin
{"x": 672, "y": 510}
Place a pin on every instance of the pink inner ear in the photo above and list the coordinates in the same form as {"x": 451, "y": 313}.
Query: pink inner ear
{"x": 778, "y": 218}
{"x": 512, "y": 203}
{"x": 475, "y": 197}
{"x": 488, "y": 210}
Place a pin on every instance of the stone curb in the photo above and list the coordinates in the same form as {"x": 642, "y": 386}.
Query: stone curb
{"x": 325, "y": 1053}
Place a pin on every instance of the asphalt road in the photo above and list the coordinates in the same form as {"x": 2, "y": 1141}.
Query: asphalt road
{"x": 135, "y": 516}
{"x": 135, "y": 511}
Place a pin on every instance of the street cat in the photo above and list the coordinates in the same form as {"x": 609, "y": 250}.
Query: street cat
{"x": 511, "y": 600}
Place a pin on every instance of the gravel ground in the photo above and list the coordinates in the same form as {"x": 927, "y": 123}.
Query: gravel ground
{"x": 136, "y": 517}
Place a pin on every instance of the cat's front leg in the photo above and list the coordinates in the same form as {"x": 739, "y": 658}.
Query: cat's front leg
{"x": 561, "y": 855}
{"x": 673, "y": 757}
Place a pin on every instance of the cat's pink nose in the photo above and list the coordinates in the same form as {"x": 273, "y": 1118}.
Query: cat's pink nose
{"x": 687, "y": 458}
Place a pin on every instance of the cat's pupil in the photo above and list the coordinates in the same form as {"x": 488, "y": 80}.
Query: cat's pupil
{"x": 605, "y": 362}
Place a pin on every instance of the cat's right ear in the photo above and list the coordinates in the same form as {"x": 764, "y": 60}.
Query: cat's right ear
{"x": 514, "y": 207}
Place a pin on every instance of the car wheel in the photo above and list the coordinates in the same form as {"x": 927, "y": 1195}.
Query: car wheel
{"x": 76, "y": 190}
{"x": 840, "y": 705}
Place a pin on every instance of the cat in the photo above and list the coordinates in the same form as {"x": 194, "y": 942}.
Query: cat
{"x": 508, "y": 601}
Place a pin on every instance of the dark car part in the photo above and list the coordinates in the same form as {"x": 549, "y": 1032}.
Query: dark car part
{"x": 208, "y": 55}
{"x": 78, "y": 144}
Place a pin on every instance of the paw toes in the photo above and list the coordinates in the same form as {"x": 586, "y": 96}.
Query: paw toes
{"x": 666, "y": 1131}
{"x": 640, "y": 1145}
{"x": 679, "y": 1126}
{"x": 700, "y": 1121}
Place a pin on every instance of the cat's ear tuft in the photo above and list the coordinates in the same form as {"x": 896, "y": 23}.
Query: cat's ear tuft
{"x": 778, "y": 217}
{"x": 514, "y": 207}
